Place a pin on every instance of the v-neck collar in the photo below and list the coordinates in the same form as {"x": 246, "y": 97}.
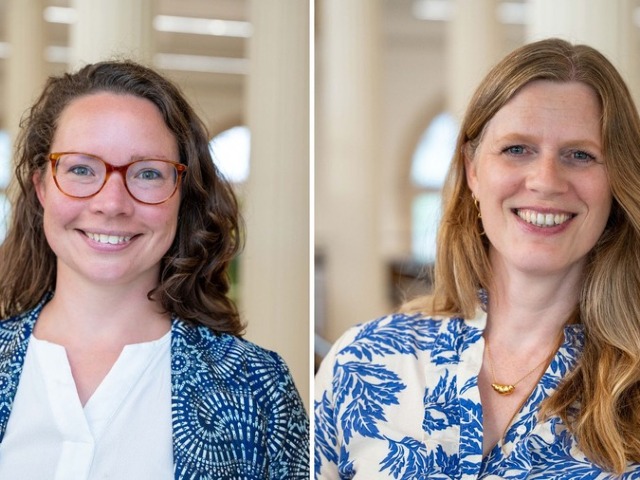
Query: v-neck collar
{"x": 53, "y": 365}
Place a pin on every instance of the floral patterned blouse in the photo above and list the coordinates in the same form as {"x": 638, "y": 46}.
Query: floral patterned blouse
{"x": 397, "y": 398}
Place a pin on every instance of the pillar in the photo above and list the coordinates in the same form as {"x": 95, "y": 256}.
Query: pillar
{"x": 274, "y": 275}
{"x": 348, "y": 184}
{"x": 108, "y": 29}
{"x": 605, "y": 25}
{"x": 474, "y": 39}
{"x": 25, "y": 69}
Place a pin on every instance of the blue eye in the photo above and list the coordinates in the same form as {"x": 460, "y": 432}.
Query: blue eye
{"x": 578, "y": 158}
{"x": 81, "y": 170}
{"x": 149, "y": 174}
{"x": 514, "y": 150}
{"x": 582, "y": 156}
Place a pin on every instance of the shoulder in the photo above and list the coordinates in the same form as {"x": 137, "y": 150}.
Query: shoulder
{"x": 211, "y": 347}
{"x": 398, "y": 334}
{"x": 389, "y": 349}
{"x": 11, "y": 326}
{"x": 19, "y": 327}
{"x": 396, "y": 348}
{"x": 230, "y": 362}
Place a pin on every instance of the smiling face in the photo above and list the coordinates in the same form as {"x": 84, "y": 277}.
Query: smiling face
{"x": 539, "y": 176}
{"x": 109, "y": 238}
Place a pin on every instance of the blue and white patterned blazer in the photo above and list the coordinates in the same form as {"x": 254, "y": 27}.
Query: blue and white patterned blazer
{"x": 398, "y": 398}
{"x": 219, "y": 384}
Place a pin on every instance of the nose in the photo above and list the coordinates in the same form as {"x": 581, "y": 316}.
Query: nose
{"x": 547, "y": 175}
{"x": 113, "y": 199}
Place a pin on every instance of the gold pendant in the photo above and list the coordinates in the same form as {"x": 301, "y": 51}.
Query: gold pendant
{"x": 503, "y": 389}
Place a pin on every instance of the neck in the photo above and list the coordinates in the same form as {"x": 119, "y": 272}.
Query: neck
{"x": 83, "y": 313}
{"x": 526, "y": 311}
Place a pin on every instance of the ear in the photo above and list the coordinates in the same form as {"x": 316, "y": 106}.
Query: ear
{"x": 38, "y": 184}
{"x": 470, "y": 168}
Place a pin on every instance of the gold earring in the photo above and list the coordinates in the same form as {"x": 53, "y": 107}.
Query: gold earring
{"x": 477, "y": 205}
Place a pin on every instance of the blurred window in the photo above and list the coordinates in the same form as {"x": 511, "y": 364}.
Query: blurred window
{"x": 5, "y": 176}
{"x": 429, "y": 167}
{"x": 230, "y": 150}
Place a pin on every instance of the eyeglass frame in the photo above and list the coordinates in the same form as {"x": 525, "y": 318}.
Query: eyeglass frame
{"x": 181, "y": 170}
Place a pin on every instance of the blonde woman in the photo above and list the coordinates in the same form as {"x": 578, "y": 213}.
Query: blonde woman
{"x": 525, "y": 360}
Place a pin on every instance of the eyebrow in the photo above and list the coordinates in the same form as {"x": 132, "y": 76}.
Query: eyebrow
{"x": 132, "y": 158}
{"x": 518, "y": 137}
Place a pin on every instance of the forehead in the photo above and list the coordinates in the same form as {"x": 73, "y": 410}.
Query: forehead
{"x": 107, "y": 122}
{"x": 552, "y": 108}
{"x": 106, "y": 101}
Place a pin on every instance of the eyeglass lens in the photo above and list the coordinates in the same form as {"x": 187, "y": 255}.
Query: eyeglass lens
{"x": 149, "y": 181}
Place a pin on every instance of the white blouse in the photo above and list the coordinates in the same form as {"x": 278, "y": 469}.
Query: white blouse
{"x": 123, "y": 432}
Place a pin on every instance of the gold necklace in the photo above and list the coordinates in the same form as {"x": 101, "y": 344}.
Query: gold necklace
{"x": 509, "y": 388}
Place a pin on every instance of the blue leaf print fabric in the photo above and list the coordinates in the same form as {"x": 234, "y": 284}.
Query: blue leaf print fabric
{"x": 397, "y": 398}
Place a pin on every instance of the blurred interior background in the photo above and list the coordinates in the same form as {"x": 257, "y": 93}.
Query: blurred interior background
{"x": 392, "y": 80}
{"x": 244, "y": 65}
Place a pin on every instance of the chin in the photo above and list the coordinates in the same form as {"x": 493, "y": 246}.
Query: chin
{"x": 117, "y": 278}
{"x": 543, "y": 268}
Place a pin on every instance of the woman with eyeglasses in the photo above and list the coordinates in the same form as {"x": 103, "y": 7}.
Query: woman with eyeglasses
{"x": 121, "y": 353}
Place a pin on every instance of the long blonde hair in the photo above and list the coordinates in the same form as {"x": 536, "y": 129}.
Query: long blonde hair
{"x": 606, "y": 381}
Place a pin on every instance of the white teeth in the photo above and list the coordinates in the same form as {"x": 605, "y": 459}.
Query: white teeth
{"x": 107, "y": 239}
{"x": 543, "y": 219}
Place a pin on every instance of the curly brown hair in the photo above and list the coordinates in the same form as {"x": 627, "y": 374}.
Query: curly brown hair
{"x": 194, "y": 281}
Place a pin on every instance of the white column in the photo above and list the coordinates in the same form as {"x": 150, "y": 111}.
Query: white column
{"x": 348, "y": 164}
{"x": 474, "y": 39}
{"x": 25, "y": 69}
{"x": 605, "y": 25}
{"x": 274, "y": 275}
{"x": 111, "y": 29}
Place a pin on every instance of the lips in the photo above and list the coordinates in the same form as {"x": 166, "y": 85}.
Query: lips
{"x": 540, "y": 219}
{"x": 108, "y": 239}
